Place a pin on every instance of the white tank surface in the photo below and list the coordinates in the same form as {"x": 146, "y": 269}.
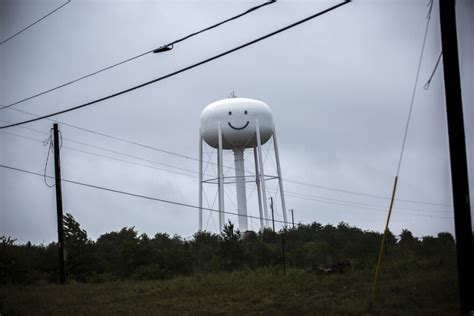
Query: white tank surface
{"x": 237, "y": 118}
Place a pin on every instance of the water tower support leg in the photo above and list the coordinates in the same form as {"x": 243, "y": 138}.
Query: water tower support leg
{"x": 262, "y": 173}
{"x": 221, "y": 178}
{"x": 280, "y": 179}
{"x": 240, "y": 189}
{"x": 200, "y": 181}
{"x": 259, "y": 191}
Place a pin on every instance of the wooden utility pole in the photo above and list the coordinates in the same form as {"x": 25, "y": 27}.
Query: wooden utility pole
{"x": 59, "y": 203}
{"x": 458, "y": 154}
{"x": 282, "y": 237}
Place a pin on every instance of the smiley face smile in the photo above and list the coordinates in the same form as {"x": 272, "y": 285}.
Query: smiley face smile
{"x": 239, "y": 128}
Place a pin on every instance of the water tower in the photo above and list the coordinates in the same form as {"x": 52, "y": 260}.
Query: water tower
{"x": 238, "y": 124}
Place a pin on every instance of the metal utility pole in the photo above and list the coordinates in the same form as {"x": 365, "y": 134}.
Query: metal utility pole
{"x": 292, "y": 218}
{"x": 458, "y": 155}
{"x": 59, "y": 203}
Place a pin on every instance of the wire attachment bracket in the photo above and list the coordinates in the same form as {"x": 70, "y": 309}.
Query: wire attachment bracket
{"x": 163, "y": 48}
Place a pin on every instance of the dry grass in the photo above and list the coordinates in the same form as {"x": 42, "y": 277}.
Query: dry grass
{"x": 407, "y": 288}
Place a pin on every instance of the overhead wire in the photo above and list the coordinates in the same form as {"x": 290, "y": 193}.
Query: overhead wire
{"x": 134, "y": 194}
{"x": 413, "y": 94}
{"x": 214, "y": 164}
{"x": 110, "y": 136}
{"x": 325, "y": 199}
{"x": 400, "y": 159}
{"x": 287, "y": 180}
{"x": 104, "y": 156}
{"x": 202, "y": 62}
{"x": 34, "y": 23}
{"x": 362, "y": 193}
{"x": 105, "y": 149}
{"x": 307, "y": 197}
{"x": 163, "y": 48}
{"x": 170, "y": 45}
{"x": 188, "y": 157}
{"x": 47, "y": 142}
{"x": 330, "y": 200}
{"x": 143, "y": 196}
{"x": 427, "y": 84}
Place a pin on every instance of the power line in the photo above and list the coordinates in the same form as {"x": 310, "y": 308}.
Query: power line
{"x": 413, "y": 94}
{"x": 136, "y": 195}
{"x": 288, "y": 193}
{"x": 131, "y": 162}
{"x": 108, "y": 157}
{"x": 379, "y": 207}
{"x": 48, "y": 142}
{"x": 163, "y": 200}
{"x": 196, "y": 159}
{"x": 171, "y": 202}
{"x": 286, "y": 180}
{"x": 182, "y": 69}
{"x": 130, "y": 156}
{"x": 308, "y": 197}
{"x": 110, "y": 136}
{"x": 363, "y": 194}
{"x": 402, "y": 150}
{"x": 102, "y": 148}
{"x": 37, "y": 21}
{"x": 170, "y": 45}
{"x": 375, "y": 208}
{"x": 163, "y": 48}
{"x": 427, "y": 84}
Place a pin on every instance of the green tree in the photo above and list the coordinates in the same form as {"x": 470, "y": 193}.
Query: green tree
{"x": 172, "y": 254}
{"x": 230, "y": 249}
{"x": 80, "y": 261}
{"x": 204, "y": 251}
{"x": 258, "y": 253}
{"x": 407, "y": 239}
{"x": 8, "y": 272}
{"x": 117, "y": 252}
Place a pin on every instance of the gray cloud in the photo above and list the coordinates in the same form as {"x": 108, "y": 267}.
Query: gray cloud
{"x": 339, "y": 87}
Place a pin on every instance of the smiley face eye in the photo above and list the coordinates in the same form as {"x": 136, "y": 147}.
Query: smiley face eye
{"x": 245, "y": 112}
{"x": 230, "y": 112}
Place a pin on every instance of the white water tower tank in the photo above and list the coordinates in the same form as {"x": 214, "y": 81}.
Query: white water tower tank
{"x": 237, "y": 117}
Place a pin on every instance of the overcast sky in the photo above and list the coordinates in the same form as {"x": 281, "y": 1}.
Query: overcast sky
{"x": 339, "y": 87}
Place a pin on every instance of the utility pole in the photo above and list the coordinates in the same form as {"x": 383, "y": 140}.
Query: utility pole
{"x": 59, "y": 203}
{"x": 292, "y": 218}
{"x": 282, "y": 237}
{"x": 458, "y": 154}
{"x": 273, "y": 216}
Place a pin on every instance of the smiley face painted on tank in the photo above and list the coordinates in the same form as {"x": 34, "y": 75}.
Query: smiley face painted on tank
{"x": 241, "y": 127}
{"x": 237, "y": 119}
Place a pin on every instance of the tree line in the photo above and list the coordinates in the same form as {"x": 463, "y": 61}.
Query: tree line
{"x": 126, "y": 254}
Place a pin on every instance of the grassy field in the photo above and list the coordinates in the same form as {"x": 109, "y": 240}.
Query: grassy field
{"x": 406, "y": 288}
